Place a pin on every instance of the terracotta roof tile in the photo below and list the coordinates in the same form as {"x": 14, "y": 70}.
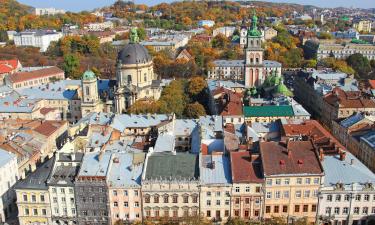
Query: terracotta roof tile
{"x": 47, "y": 128}
{"x": 246, "y": 168}
{"x": 301, "y": 159}
{"x": 24, "y": 76}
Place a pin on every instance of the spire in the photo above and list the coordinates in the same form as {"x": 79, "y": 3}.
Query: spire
{"x": 253, "y": 31}
{"x": 134, "y": 36}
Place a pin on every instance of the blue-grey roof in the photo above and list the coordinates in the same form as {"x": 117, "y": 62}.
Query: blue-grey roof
{"x": 329, "y": 75}
{"x": 184, "y": 127}
{"x": 165, "y": 143}
{"x": 369, "y": 138}
{"x": 6, "y": 157}
{"x": 38, "y": 178}
{"x": 97, "y": 139}
{"x": 260, "y": 127}
{"x": 123, "y": 121}
{"x": 124, "y": 171}
{"x": 344, "y": 171}
{"x": 351, "y": 120}
{"x": 59, "y": 90}
{"x": 215, "y": 169}
{"x": 95, "y": 118}
{"x": 95, "y": 164}
{"x": 14, "y": 102}
{"x": 214, "y": 84}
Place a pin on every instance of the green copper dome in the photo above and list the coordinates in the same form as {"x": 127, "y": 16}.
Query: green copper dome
{"x": 253, "y": 31}
{"x": 88, "y": 75}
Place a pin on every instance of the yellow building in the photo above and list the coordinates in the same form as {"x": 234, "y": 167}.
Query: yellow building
{"x": 363, "y": 26}
{"x": 33, "y": 200}
{"x": 293, "y": 174}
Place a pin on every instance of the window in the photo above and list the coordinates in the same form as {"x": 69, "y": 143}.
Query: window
{"x": 247, "y": 201}
{"x": 237, "y": 201}
{"x": 269, "y": 195}
{"x": 306, "y": 194}
{"x": 278, "y": 181}
{"x": 257, "y": 189}
{"x": 337, "y": 210}
{"x": 166, "y": 199}
{"x": 217, "y": 202}
{"x": 136, "y": 204}
{"x": 135, "y": 193}
{"x": 237, "y": 189}
{"x": 305, "y": 208}
{"x": 329, "y": 198}
{"x": 356, "y": 210}
{"x": 227, "y": 202}
{"x": 313, "y": 208}
{"x": 287, "y": 181}
{"x": 346, "y": 198}
{"x": 358, "y": 197}
{"x": 296, "y": 208}
{"x": 299, "y": 180}
{"x": 373, "y": 210}
{"x": 307, "y": 181}
{"x": 315, "y": 193}
{"x": 316, "y": 180}
{"x": 208, "y": 213}
{"x": 126, "y": 204}
{"x": 35, "y": 212}
{"x": 367, "y": 198}
{"x": 195, "y": 199}
{"x": 208, "y": 193}
{"x": 54, "y": 200}
{"x": 174, "y": 198}
{"x": 269, "y": 182}
{"x": 156, "y": 199}
{"x": 285, "y": 208}
{"x": 328, "y": 211}
{"x": 286, "y": 194}
{"x": 298, "y": 194}
{"x": 147, "y": 199}
{"x": 42, "y": 199}
{"x": 115, "y": 204}
{"x": 186, "y": 199}
{"x": 53, "y": 190}
{"x": 208, "y": 203}
{"x": 126, "y": 193}
{"x": 218, "y": 194}
{"x": 345, "y": 210}
{"x": 277, "y": 194}
{"x": 33, "y": 198}
{"x": 338, "y": 198}
{"x": 276, "y": 209}
{"x": 268, "y": 209}
{"x": 226, "y": 213}
{"x": 247, "y": 189}
{"x": 365, "y": 210}
{"x": 44, "y": 212}
{"x": 114, "y": 193}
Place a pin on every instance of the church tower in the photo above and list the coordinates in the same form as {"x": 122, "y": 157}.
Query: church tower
{"x": 90, "y": 96}
{"x": 254, "y": 68}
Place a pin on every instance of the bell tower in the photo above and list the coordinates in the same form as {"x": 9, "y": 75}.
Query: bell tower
{"x": 254, "y": 68}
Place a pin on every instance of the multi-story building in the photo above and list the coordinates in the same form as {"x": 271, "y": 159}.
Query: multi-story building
{"x": 61, "y": 188}
{"x": 124, "y": 186}
{"x": 215, "y": 187}
{"x": 33, "y": 200}
{"x": 347, "y": 194}
{"x": 344, "y": 51}
{"x": 48, "y": 11}
{"x": 37, "y": 38}
{"x": 9, "y": 176}
{"x": 170, "y": 186}
{"x": 363, "y": 26}
{"x": 99, "y": 26}
{"x": 293, "y": 175}
{"x": 91, "y": 190}
{"x": 269, "y": 33}
{"x": 225, "y": 31}
{"x": 247, "y": 193}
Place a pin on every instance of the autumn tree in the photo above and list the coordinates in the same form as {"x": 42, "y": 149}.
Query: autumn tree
{"x": 337, "y": 64}
{"x": 360, "y": 64}
{"x": 194, "y": 110}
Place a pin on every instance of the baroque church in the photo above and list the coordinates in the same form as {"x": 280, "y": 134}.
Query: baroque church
{"x": 135, "y": 80}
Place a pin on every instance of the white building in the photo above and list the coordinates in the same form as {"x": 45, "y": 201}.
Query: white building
{"x": 8, "y": 177}
{"x": 37, "y": 38}
{"x": 347, "y": 195}
{"x": 48, "y": 11}
{"x": 99, "y": 26}
{"x": 206, "y": 23}
{"x": 226, "y": 31}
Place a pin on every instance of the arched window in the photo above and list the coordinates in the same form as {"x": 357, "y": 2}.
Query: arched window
{"x": 87, "y": 91}
{"x": 129, "y": 79}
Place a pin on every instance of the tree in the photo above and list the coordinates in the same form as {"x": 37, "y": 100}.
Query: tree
{"x": 196, "y": 86}
{"x": 360, "y": 64}
{"x": 337, "y": 64}
{"x": 220, "y": 41}
{"x": 195, "y": 110}
{"x": 325, "y": 35}
{"x": 71, "y": 66}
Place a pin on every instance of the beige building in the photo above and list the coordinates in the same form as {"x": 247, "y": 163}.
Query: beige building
{"x": 363, "y": 26}
{"x": 170, "y": 186}
{"x": 293, "y": 175}
{"x": 269, "y": 33}
{"x": 340, "y": 51}
{"x": 247, "y": 191}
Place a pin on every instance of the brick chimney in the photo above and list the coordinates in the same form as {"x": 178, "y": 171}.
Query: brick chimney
{"x": 321, "y": 154}
{"x": 342, "y": 154}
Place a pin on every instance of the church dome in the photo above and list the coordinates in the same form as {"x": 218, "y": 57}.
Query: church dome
{"x": 88, "y": 75}
{"x": 133, "y": 53}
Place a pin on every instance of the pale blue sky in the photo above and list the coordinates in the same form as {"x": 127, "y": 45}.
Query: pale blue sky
{"x": 78, "y": 5}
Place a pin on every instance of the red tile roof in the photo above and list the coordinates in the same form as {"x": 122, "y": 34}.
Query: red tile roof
{"x": 298, "y": 158}
{"x": 7, "y": 66}
{"x": 246, "y": 168}
{"x": 47, "y": 128}
{"x": 234, "y": 105}
{"x": 348, "y": 99}
{"x": 45, "y": 72}
{"x": 46, "y": 110}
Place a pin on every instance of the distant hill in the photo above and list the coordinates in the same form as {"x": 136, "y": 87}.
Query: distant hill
{"x": 11, "y": 11}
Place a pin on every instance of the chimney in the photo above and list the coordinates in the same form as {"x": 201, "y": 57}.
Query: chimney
{"x": 73, "y": 156}
{"x": 342, "y": 154}
{"x": 352, "y": 161}
{"x": 321, "y": 154}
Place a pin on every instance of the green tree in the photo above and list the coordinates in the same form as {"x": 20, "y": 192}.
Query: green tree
{"x": 360, "y": 64}
{"x": 194, "y": 110}
{"x": 141, "y": 33}
{"x": 71, "y": 66}
{"x": 337, "y": 64}
{"x": 325, "y": 35}
{"x": 220, "y": 41}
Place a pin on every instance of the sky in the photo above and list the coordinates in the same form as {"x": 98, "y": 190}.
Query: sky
{"x": 79, "y": 5}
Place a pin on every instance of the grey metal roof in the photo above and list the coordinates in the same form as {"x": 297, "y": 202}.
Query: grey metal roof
{"x": 5, "y": 157}
{"x": 181, "y": 166}
{"x": 63, "y": 175}
{"x": 37, "y": 179}
{"x": 134, "y": 53}
{"x": 215, "y": 169}
{"x": 351, "y": 120}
